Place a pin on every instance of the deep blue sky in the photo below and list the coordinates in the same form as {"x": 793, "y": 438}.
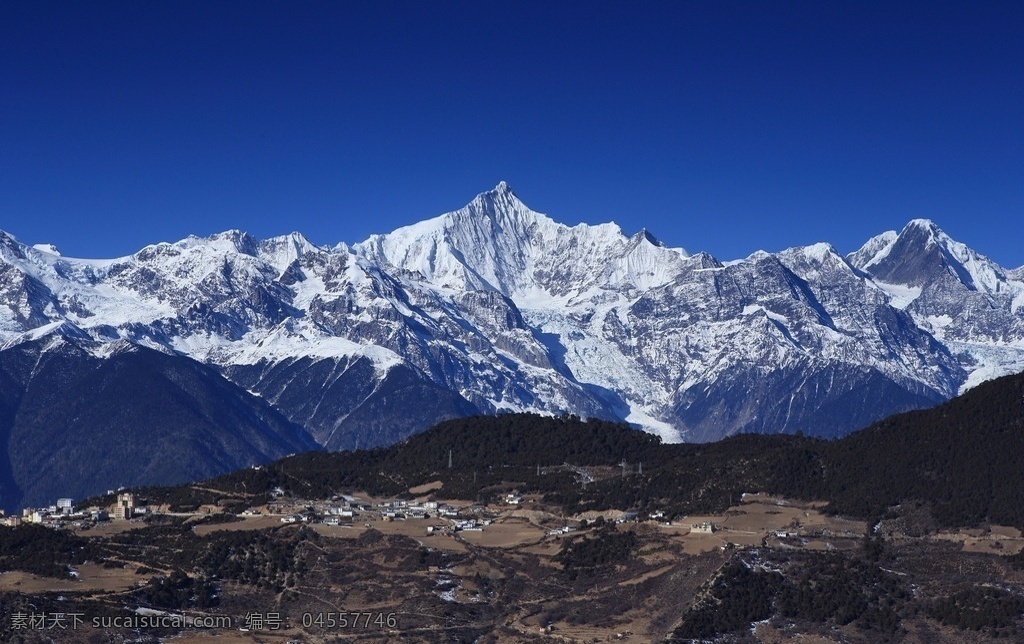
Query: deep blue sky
{"x": 720, "y": 126}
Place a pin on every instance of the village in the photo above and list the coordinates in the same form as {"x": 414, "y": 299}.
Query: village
{"x": 516, "y": 527}
{"x": 514, "y": 520}
{"x": 342, "y": 512}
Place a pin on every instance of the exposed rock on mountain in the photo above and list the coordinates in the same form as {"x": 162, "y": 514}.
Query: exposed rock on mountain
{"x": 495, "y": 307}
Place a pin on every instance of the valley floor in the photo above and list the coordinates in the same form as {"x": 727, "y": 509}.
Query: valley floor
{"x": 523, "y": 572}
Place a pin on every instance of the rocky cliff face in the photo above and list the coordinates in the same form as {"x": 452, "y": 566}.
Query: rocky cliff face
{"x": 972, "y": 306}
{"x": 496, "y": 307}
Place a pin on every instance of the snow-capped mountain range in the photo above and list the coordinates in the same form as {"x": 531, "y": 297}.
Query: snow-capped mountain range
{"x": 496, "y": 307}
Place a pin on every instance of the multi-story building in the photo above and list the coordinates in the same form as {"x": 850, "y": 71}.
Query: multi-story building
{"x": 125, "y": 506}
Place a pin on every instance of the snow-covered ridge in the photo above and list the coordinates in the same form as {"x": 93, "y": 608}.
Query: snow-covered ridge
{"x": 973, "y": 269}
{"x": 496, "y": 242}
{"x": 511, "y": 310}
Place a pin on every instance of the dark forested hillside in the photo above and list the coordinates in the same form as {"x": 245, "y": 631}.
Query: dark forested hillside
{"x": 961, "y": 458}
{"x": 72, "y": 424}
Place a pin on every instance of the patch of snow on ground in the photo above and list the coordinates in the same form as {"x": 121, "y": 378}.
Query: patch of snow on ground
{"x": 771, "y": 315}
{"x": 668, "y": 433}
{"x": 938, "y": 324}
{"x": 1018, "y": 298}
{"x": 282, "y": 345}
{"x": 900, "y": 295}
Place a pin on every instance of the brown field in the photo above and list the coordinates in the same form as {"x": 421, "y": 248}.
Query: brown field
{"x": 505, "y": 534}
{"x": 758, "y": 517}
{"x": 1002, "y": 540}
{"x": 662, "y": 585}
{"x": 114, "y": 526}
{"x": 339, "y": 531}
{"x": 414, "y": 528}
{"x": 258, "y": 522}
{"x": 547, "y": 548}
{"x": 426, "y": 488}
{"x": 697, "y": 543}
{"x": 531, "y": 514}
{"x": 91, "y": 578}
{"x": 590, "y": 515}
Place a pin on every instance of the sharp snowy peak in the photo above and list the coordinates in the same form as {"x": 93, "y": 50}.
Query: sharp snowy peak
{"x": 964, "y": 299}
{"x": 922, "y": 253}
{"x": 497, "y": 307}
{"x": 497, "y": 243}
